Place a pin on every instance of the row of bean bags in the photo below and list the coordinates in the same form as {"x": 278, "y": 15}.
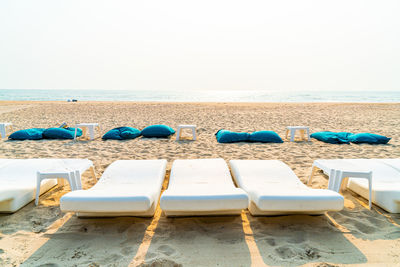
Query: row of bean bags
{"x": 225, "y": 136}
{"x": 346, "y": 138}
{"x": 125, "y": 133}
{"x": 43, "y": 133}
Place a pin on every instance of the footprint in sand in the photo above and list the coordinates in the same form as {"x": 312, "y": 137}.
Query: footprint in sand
{"x": 285, "y": 252}
{"x": 167, "y": 250}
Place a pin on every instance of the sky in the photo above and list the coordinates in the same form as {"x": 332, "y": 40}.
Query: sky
{"x": 200, "y": 45}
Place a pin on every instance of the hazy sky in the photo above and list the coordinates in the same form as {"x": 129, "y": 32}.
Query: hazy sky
{"x": 218, "y": 44}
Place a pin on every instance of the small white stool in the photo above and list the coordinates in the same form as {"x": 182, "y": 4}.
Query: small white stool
{"x": 3, "y": 127}
{"x": 84, "y": 126}
{"x": 73, "y": 178}
{"x": 341, "y": 177}
{"x": 293, "y": 130}
{"x": 179, "y": 131}
{"x": 337, "y": 175}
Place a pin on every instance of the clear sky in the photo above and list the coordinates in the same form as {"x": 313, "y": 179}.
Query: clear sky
{"x": 194, "y": 45}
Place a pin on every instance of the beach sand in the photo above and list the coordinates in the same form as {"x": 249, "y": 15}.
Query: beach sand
{"x": 44, "y": 236}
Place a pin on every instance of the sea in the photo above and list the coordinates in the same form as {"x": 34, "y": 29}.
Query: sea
{"x": 200, "y": 96}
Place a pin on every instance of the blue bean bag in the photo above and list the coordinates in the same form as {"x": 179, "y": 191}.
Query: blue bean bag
{"x": 122, "y": 133}
{"x": 157, "y": 131}
{"x": 61, "y": 133}
{"x": 265, "y": 137}
{"x": 27, "y": 134}
{"x": 332, "y": 137}
{"x": 225, "y": 136}
{"x": 368, "y": 138}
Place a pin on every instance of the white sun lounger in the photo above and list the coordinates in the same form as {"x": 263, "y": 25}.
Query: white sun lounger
{"x": 274, "y": 189}
{"x": 126, "y": 188}
{"x": 18, "y": 179}
{"x": 385, "y": 179}
{"x": 202, "y": 187}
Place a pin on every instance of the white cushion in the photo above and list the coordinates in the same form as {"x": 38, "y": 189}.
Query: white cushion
{"x": 202, "y": 187}
{"x": 385, "y": 179}
{"x": 127, "y": 187}
{"x": 18, "y": 179}
{"x": 274, "y": 188}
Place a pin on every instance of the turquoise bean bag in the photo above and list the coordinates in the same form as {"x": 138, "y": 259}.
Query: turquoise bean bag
{"x": 158, "y": 131}
{"x": 225, "y": 136}
{"x": 332, "y": 137}
{"x": 61, "y": 133}
{"x": 368, "y": 138}
{"x": 265, "y": 137}
{"x": 122, "y": 133}
{"x": 27, "y": 134}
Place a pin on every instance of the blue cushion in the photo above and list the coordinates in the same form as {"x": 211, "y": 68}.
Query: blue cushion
{"x": 265, "y": 137}
{"x": 368, "y": 138}
{"x": 157, "y": 131}
{"x": 332, "y": 137}
{"x": 27, "y": 134}
{"x": 122, "y": 133}
{"x": 61, "y": 133}
{"x": 225, "y": 136}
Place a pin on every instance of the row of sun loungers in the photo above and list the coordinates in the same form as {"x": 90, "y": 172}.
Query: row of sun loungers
{"x": 196, "y": 187}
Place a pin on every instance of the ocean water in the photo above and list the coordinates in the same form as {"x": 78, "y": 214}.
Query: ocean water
{"x": 200, "y": 96}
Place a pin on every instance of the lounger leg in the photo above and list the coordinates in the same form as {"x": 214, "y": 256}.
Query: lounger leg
{"x": 78, "y": 180}
{"x": 370, "y": 190}
{"x": 332, "y": 179}
{"x": 313, "y": 170}
{"x": 194, "y": 134}
{"x": 91, "y": 132}
{"x": 308, "y": 134}
{"x": 337, "y": 181}
{"x": 3, "y": 131}
{"x": 93, "y": 173}
{"x": 178, "y": 134}
{"x": 292, "y": 134}
{"x": 71, "y": 180}
{"x": 76, "y": 129}
{"x": 38, "y": 183}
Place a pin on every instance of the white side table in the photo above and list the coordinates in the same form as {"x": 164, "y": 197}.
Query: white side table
{"x": 339, "y": 176}
{"x": 84, "y": 126}
{"x": 70, "y": 176}
{"x": 293, "y": 130}
{"x": 3, "y": 127}
{"x": 179, "y": 131}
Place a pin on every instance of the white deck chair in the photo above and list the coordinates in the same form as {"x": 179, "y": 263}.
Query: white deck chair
{"x": 18, "y": 179}
{"x": 274, "y": 189}
{"x": 385, "y": 179}
{"x": 126, "y": 188}
{"x": 202, "y": 187}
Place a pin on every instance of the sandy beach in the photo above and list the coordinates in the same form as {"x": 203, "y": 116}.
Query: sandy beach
{"x": 45, "y": 236}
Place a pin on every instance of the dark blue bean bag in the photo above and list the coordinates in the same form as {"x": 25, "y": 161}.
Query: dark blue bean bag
{"x": 225, "y": 136}
{"x": 157, "y": 131}
{"x": 27, "y": 134}
{"x": 122, "y": 133}
{"x": 368, "y": 138}
{"x": 332, "y": 137}
{"x": 265, "y": 137}
{"x": 61, "y": 133}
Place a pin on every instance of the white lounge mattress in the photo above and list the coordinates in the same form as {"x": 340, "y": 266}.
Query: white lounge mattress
{"x": 126, "y": 188}
{"x": 202, "y": 187}
{"x": 275, "y": 189}
{"x": 18, "y": 179}
{"x": 385, "y": 180}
